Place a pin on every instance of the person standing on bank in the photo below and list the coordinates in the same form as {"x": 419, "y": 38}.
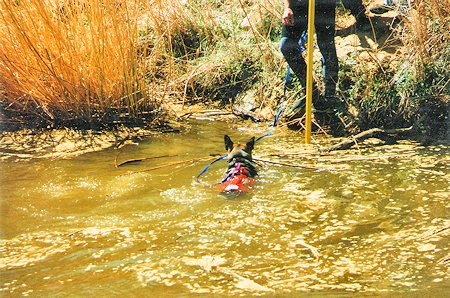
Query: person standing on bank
{"x": 295, "y": 23}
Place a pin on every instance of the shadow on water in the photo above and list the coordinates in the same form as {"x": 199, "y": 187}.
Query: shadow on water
{"x": 370, "y": 220}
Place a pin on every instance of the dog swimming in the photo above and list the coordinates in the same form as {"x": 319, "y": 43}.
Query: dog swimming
{"x": 241, "y": 171}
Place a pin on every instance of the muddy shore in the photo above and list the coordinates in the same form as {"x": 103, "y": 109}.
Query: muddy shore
{"x": 67, "y": 143}
{"x": 26, "y": 143}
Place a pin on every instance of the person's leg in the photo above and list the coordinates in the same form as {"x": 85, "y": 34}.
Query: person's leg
{"x": 355, "y": 6}
{"x": 325, "y": 28}
{"x": 289, "y": 49}
{"x": 289, "y": 44}
{"x": 358, "y": 10}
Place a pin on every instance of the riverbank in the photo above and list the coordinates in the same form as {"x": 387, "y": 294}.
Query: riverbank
{"x": 27, "y": 144}
{"x": 18, "y": 143}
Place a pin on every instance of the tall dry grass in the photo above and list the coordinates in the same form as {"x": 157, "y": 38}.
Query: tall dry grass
{"x": 427, "y": 43}
{"x": 97, "y": 59}
{"x": 71, "y": 58}
{"x": 90, "y": 59}
{"x": 426, "y": 33}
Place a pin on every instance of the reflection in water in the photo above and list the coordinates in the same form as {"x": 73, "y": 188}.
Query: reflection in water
{"x": 364, "y": 220}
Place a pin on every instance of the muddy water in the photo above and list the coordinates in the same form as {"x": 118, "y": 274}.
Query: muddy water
{"x": 369, "y": 220}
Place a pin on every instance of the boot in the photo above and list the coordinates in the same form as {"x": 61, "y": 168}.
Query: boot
{"x": 297, "y": 110}
{"x": 332, "y": 115}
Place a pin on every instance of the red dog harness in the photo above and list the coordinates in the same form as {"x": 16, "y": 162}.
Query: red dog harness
{"x": 237, "y": 179}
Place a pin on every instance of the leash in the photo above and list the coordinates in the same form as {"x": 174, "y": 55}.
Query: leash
{"x": 274, "y": 124}
{"x": 233, "y": 171}
{"x": 197, "y": 179}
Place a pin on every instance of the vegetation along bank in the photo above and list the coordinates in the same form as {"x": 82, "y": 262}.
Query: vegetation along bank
{"x": 96, "y": 65}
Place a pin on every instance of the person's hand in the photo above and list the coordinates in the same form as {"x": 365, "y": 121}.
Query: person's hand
{"x": 288, "y": 17}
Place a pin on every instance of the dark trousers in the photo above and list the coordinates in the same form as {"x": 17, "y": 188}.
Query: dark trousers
{"x": 356, "y": 8}
{"x": 325, "y": 19}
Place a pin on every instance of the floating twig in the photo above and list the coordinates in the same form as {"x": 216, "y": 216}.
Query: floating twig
{"x": 175, "y": 163}
{"x": 142, "y": 159}
{"x": 284, "y": 164}
{"x": 311, "y": 248}
{"x": 434, "y": 233}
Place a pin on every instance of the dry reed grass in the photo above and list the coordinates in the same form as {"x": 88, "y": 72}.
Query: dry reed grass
{"x": 427, "y": 29}
{"x": 71, "y": 57}
{"x": 95, "y": 59}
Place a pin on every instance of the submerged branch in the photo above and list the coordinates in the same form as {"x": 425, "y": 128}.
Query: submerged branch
{"x": 175, "y": 163}
{"x": 244, "y": 282}
{"x": 284, "y": 164}
{"x": 128, "y": 161}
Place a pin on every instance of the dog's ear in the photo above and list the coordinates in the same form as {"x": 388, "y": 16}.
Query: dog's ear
{"x": 228, "y": 143}
{"x": 251, "y": 144}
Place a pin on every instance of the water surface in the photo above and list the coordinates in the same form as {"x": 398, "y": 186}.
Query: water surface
{"x": 368, "y": 220}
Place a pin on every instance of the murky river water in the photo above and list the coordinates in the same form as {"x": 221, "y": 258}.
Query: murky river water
{"x": 368, "y": 220}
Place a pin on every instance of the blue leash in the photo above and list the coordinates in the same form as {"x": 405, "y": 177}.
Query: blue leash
{"x": 274, "y": 124}
{"x": 197, "y": 179}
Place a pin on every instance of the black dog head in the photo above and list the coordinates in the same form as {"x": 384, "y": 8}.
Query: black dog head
{"x": 238, "y": 150}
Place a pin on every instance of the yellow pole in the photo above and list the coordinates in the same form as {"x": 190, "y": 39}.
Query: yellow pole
{"x": 309, "y": 77}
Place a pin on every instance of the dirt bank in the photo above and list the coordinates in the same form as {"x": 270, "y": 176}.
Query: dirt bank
{"x": 67, "y": 143}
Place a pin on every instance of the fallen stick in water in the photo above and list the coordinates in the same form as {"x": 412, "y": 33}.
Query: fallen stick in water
{"x": 128, "y": 161}
{"x": 284, "y": 164}
{"x": 374, "y": 132}
{"x": 175, "y": 163}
